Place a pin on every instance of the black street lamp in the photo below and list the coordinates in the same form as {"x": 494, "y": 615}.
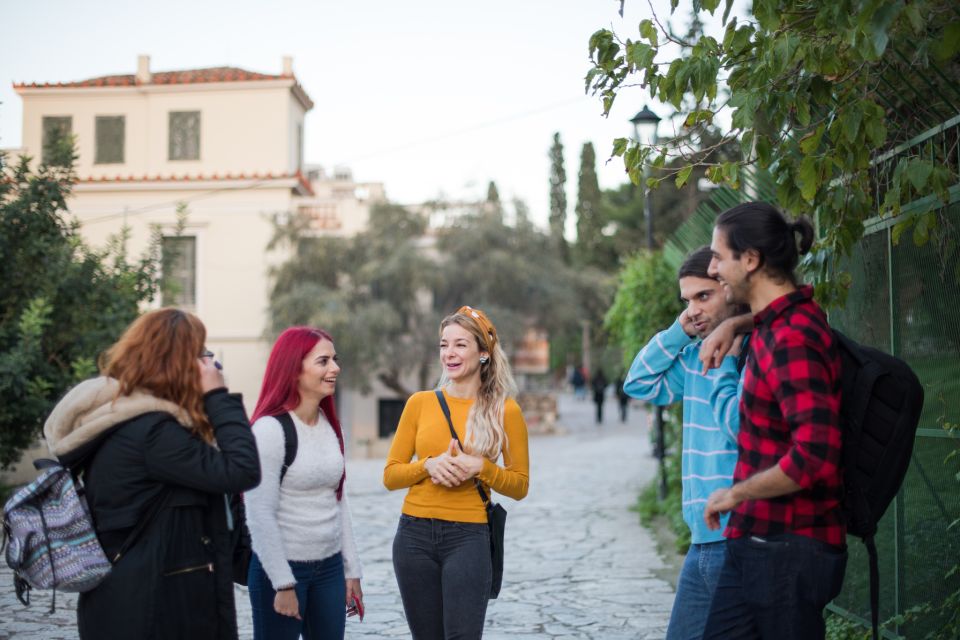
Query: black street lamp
{"x": 645, "y": 132}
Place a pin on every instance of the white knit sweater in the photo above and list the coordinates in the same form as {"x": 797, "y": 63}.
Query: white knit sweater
{"x": 300, "y": 519}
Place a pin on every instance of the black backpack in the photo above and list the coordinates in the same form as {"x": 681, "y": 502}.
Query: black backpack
{"x": 242, "y": 551}
{"x": 879, "y": 413}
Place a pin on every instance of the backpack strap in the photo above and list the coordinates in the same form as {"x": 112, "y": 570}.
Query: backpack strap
{"x": 874, "y": 584}
{"x": 290, "y": 442}
{"x": 446, "y": 414}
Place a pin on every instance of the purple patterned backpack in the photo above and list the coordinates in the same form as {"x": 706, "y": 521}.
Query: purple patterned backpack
{"x": 49, "y": 536}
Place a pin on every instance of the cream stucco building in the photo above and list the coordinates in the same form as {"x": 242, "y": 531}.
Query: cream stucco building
{"x": 227, "y": 143}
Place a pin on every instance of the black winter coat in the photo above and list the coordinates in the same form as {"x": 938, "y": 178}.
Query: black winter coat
{"x": 175, "y": 581}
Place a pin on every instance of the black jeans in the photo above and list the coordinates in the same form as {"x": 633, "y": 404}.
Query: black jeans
{"x": 775, "y": 587}
{"x": 444, "y": 572}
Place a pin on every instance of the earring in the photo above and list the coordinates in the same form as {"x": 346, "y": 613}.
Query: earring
{"x": 484, "y": 359}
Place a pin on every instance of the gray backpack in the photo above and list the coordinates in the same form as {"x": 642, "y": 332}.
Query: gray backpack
{"x": 50, "y": 539}
{"x": 49, "y": 536}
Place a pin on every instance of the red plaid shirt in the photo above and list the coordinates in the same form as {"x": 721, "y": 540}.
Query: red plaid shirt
{"x": 789, "y": 415}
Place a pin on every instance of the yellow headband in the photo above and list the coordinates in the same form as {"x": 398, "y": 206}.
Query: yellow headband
{"x": 489, "y": 331}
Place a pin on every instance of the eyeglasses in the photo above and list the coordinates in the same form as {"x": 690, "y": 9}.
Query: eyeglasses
{"x": 206, "y": 354}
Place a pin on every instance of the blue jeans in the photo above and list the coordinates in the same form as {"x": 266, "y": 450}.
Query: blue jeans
{"x": 695, "y": 587}
{"x": 444, "y": 573}
{"x": 321, "y": 594}
{"x": 775, "y": 587}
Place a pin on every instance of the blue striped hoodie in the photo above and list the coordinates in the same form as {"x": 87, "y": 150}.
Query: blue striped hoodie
{"x": 668, "y": 369}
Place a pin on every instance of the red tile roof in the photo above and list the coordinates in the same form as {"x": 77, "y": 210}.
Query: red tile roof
{"x": 186, "y": 76}
{"x": 302, "y": 181}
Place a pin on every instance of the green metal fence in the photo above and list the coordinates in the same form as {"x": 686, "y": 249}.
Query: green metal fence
{"x": 905, "y": 299}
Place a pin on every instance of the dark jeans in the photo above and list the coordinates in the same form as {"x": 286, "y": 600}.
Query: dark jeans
{"x": 321, "y": 593}
{"x": 444, "y": 573}
{"x": 775, "y": 588}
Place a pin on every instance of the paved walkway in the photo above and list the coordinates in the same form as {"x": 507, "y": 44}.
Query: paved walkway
{"x": 578, "y": 564}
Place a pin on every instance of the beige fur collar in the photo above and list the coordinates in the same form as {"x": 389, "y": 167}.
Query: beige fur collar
{"x": 92, "y": 407}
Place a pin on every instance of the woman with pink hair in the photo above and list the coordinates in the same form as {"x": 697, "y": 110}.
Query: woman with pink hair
{"x": 304, "y": 573}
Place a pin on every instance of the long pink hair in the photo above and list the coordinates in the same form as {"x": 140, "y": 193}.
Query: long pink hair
{"x": 280, "y": 392}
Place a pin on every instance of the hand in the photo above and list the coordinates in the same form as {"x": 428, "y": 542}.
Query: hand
{"x": 286, "y": 604}
{"x": 720, "y": 501}
{"x": 718, "y": 344}
{"x": 353, "y": 588}
{"x": 687, "y": 324}
{"x": 442, "y": 470}
{"x": 469, "y": 465}
{"x": 211, "y": 377}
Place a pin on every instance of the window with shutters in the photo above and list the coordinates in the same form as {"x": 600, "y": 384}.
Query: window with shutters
{"x": 179, "y": 284}
{"x": 110, "y": 132}
{"x": 54, "y": 128}
{"x": 184, "y": 135}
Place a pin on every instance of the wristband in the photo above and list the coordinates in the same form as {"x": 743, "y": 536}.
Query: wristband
{"x": 287, "y": 588}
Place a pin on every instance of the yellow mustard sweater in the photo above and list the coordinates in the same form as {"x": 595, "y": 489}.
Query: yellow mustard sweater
{"x": 423, "y": 431}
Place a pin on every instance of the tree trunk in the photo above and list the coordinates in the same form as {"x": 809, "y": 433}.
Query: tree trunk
{"x": 391, "y": 380}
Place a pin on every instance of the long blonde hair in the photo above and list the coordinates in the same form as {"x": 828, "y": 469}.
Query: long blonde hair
{"x": 485, "y": 434}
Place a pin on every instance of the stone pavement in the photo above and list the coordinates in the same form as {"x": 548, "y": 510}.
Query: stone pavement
{"x": 578, "y": 564}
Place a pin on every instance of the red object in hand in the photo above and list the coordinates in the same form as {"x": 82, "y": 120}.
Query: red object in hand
{"x": 357, "y": 608}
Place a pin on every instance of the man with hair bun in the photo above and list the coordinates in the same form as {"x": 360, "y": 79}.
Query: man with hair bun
{"x": 786, "y": 538}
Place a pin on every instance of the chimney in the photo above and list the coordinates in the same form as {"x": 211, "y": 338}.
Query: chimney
{"x": 143, "y": 70}
{"x": 287, "y": 66}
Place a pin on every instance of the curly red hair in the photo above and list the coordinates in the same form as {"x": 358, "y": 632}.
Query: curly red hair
{"x": 158, "y": 353}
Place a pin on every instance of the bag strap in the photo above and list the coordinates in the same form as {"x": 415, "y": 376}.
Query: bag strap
{"x": 874, "y": 584}
{"x": 446, "y": 414}
{"x": 289, "y": 442}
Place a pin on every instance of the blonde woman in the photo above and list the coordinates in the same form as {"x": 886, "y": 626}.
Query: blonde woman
{"x": 441, "y": 552}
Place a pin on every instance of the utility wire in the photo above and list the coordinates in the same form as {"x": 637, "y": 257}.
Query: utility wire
{"x": 403, "y": 147}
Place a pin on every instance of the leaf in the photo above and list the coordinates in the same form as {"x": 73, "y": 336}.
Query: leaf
{"x": 913, "y": 15}
{"x": 898, "y": 230}
{"x": 918, "y": 172}
{"x": 803, "y": 111}
{"x": 851, "y": 123}
{"x": 726, "y": 12}
{"x": 648, "y": 31}
{"x": 880, "y": 23}
{"x": 811, "y": 142}
{"x": 619, "y": 146}
{"x": 640, "y": 55}
{"x": 696, "y": 117}
{"x": 683, "y": 175}
{"x": 921, "y": 232}
{"x": 950, "y": 44}
{"x": 809, "y": 178}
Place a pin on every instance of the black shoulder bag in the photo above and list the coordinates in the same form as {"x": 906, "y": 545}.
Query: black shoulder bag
{"x": 496, "y": 515}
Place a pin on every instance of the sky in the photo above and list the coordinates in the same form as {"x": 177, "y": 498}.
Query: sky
{"x": 432, "y": 98}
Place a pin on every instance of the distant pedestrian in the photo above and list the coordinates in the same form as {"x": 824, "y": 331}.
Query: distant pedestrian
{"x": 158, "y": 438}
{"x": 599, "y": 384}
{"x": 579, "y": 382}
{"x": 623, "y": 398}
{"x": 304, "y": 572}
{"x": 441, "y": 553}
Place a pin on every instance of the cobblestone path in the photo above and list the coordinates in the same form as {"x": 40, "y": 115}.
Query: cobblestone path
{"x": 578, "y": 564}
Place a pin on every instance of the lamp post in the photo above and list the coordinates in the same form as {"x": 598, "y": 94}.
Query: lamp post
{"x": 645, "y": 132}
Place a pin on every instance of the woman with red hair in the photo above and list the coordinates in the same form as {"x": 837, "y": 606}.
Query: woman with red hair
{"x": 304, "y": 568}
{"x": 143, "y": 436}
